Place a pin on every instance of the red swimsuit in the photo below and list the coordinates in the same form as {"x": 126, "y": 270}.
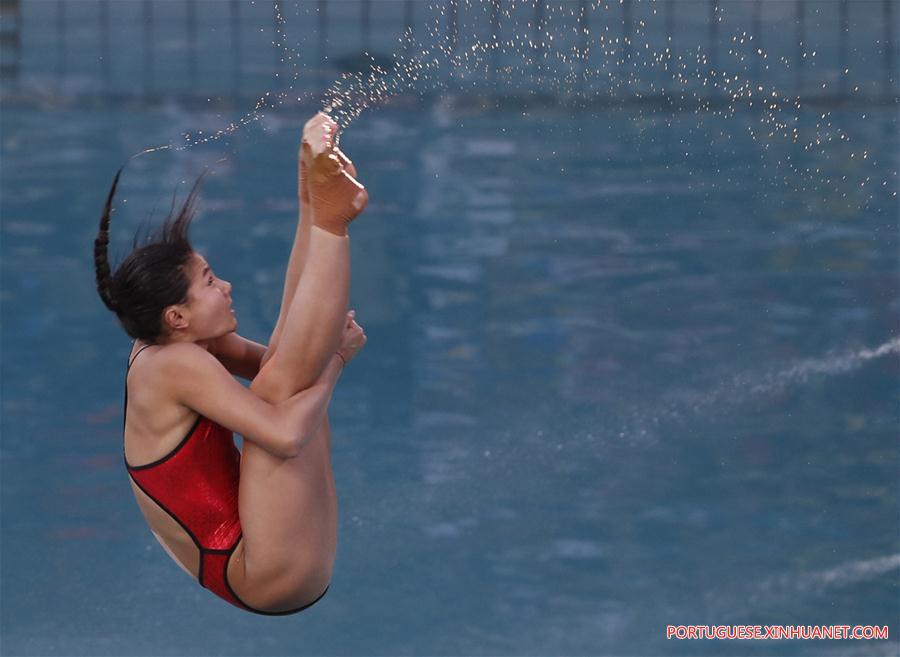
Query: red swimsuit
{"x": 197, "y": 485}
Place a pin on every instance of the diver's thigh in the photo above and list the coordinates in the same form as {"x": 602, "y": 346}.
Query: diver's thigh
{"x": 288, "y": 510}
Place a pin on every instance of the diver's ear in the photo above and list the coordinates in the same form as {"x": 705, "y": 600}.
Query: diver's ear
{"x": 176, "y": 318}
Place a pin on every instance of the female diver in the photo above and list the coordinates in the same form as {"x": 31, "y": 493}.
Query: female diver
{"x": 257, "y": 527}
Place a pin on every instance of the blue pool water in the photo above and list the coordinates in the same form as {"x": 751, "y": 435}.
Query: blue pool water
{"x": 627, "y": 367}
{"x": 603, "y": 392}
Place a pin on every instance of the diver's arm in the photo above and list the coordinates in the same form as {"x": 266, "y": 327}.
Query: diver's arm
{"x": 200, "y": 382}
{"x": 240, "y": 356}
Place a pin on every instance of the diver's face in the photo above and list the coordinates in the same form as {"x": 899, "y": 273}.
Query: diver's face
{"x": 209, "y": 302}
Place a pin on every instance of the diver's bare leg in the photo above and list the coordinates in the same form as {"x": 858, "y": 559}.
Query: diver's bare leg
{"x": 288, "y": 508}
{"x": 298, "y": 254}
{"x": 293, "y": 273}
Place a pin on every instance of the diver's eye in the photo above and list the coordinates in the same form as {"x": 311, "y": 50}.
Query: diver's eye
{"x": 210, "y": 280}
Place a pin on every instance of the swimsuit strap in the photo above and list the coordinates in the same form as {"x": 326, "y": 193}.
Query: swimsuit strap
{"x": 125, "y": 404}
{"x": 138, "y": 354}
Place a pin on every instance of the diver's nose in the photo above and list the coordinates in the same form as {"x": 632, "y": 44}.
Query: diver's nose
{"x": 227, "y": 287}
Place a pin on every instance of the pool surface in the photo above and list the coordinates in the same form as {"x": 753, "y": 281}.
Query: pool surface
{"x": 627, "y": 368}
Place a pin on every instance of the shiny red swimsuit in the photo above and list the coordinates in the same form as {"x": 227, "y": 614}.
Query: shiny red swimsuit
{"x": 197, "y": 485}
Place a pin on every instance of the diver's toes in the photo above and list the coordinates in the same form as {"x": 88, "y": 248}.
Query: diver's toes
{"x": 320, "y": 133}
{"x": 348, "y": 164}
{"x": 361, "y": 200}
{"x": 352, "y": 189}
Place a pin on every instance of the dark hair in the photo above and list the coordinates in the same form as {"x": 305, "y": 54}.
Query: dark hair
{"x": 153, "y": 276}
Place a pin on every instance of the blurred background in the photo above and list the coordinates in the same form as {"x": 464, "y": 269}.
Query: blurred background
{"x": 629, "y": 273}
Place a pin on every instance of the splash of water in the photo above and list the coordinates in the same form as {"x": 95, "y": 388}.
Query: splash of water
{"x": 268, "y": 100}
{"x": 802, "y": 371}
{"x": 567, "y": 49}
{"x": 790, "y": 586}
{"x": 745, "y": 387}
{"x": 532, "y": 58}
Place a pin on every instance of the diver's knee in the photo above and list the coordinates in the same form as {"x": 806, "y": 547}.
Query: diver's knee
{"x": 267, "y": 354}
{"x": 271, "y": 384}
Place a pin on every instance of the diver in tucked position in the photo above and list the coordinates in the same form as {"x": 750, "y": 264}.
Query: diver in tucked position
{"x": 258, "y": 527}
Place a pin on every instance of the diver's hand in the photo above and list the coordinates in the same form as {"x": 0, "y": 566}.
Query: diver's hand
{"x": 353, "y": 338}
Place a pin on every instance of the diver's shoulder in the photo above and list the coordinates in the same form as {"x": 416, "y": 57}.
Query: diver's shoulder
{"x": 182, "y": 355}
{"x": 183, "y": 365}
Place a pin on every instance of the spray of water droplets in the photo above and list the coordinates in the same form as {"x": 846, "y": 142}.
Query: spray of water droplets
{"x": 579, "y": 53}
{"x": 589, "y": 52}
{"x": 585, "y": 52}
{"x": 268, "y": 100}
{"x": 745, "y": 387}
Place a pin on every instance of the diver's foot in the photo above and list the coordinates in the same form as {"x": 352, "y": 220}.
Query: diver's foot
{"x": 320, "y": 133}
{"x": 318, "y": 145}
{"x": 348, "y": 165}
{"x": 319, "y": 138}
{"x": 315, "y": 140}
{"x": 336, "y": 201}
{"x": 305, "y": 162}
{"x": 303, "y": 182}
{"x": 335, "y": 196}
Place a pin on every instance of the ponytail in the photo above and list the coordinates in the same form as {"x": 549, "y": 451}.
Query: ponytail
{"x": 101, "y": 250}
{"x": 153, "y": 276}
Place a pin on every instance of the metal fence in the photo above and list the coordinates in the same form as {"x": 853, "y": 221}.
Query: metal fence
{"x": 195, "y": 49}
